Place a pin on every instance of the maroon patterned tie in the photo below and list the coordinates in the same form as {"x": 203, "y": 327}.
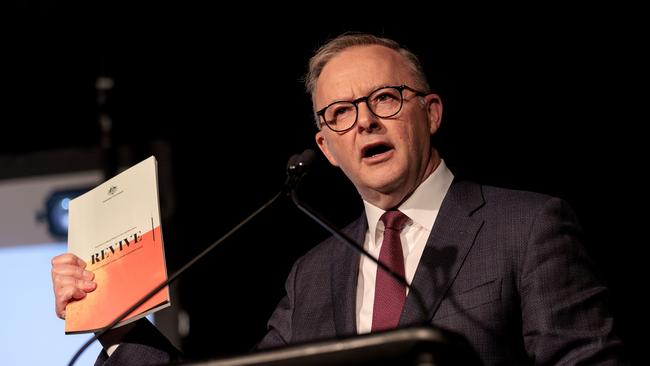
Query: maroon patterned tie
{"x": 390, "y": 295}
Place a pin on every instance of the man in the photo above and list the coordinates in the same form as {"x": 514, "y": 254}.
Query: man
{"x": 503, "y": 268}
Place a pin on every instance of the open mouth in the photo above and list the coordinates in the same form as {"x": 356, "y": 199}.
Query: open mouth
{"x": 370, "y": 151}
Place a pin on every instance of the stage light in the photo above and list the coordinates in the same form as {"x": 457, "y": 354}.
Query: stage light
{"x": 56, "y": 210}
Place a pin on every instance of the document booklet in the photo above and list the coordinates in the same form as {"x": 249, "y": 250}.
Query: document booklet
{"x": 115, "y": 229}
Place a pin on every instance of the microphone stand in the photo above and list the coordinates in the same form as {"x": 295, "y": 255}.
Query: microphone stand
{"x": 297, "y": 166}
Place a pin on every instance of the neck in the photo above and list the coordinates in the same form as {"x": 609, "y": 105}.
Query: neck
{"x": 391, "y": 200}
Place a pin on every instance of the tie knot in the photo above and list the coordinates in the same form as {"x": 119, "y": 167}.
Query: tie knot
{"x": 394, "y": 220}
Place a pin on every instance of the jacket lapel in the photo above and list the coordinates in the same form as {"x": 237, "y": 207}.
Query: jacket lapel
{"x": 345, "y": 268}
{"x": 451, "y": 238}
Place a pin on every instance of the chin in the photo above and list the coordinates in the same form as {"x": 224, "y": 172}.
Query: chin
{"x": 384, "y": 185}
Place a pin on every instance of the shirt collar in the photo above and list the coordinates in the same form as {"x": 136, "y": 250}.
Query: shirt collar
{"x": 423, "y": 205}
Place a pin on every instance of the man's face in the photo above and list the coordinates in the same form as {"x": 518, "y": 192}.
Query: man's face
{"x": 385, "y": 158}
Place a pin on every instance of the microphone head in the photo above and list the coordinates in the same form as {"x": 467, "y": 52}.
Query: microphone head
{"x": 292, "y": 163}
{"x": 298, "y": 165}
{"x": 306, "y": 159}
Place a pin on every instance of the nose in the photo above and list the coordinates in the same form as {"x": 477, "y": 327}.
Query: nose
{"x": 366, "y": 120}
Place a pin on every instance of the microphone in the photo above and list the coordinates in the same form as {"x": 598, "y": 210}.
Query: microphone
{"x": 302, "y": 163}
{"x": 297, "y": 167}
{"x": 173, "y": 277}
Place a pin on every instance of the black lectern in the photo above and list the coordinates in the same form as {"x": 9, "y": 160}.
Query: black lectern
{"x": 410, "y": 346}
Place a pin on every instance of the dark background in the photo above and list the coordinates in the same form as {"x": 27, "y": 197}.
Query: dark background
{"x": 545, "y": 99}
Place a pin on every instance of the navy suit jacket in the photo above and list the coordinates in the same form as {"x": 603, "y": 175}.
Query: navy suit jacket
{"x": 506, "y": 269}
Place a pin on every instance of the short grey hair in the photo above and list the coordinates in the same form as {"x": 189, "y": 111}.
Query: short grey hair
{"x": 336, "y": 45}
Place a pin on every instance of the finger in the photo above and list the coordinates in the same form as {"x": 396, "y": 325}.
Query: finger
{"x": 69, "y": 270}
{"x": 84, "y": 285}
{"x": 59, "y": 282}
{"x": 68, "y": 258}
{"x": 64, "y": 296}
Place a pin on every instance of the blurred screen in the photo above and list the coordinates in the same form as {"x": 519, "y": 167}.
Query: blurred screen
{"x": 31, "y": 334}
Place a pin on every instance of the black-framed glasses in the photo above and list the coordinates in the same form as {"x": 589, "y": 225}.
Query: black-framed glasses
{"x": 384, "y": 102}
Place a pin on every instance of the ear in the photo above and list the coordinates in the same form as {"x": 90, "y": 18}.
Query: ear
{"x": 322, "y": 145}
{"x": 433, "y": 104}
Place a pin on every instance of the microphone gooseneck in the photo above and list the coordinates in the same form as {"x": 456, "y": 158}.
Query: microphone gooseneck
{"x": 172, "y": 278}
{"x": 309, "y": 157}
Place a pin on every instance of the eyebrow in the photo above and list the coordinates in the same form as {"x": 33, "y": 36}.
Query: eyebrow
{"x": 372, "y": 89}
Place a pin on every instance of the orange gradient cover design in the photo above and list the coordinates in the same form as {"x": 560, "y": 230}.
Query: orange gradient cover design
{"x": 134, "y": 269}
{"x": 115, "y": 228}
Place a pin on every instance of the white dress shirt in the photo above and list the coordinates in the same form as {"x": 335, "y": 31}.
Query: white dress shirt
{"x": 422, "y": 209}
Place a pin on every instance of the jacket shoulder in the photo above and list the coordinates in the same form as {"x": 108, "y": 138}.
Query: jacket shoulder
{"x": 317, "y": 256}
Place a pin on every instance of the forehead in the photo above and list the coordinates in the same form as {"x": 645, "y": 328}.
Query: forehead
{"x": 358, "y": 70}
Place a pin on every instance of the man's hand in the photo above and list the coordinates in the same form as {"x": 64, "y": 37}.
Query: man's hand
{"x": 70, "y": 281}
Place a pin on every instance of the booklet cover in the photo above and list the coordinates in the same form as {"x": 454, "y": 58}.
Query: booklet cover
{"x": 115, "y": 228}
